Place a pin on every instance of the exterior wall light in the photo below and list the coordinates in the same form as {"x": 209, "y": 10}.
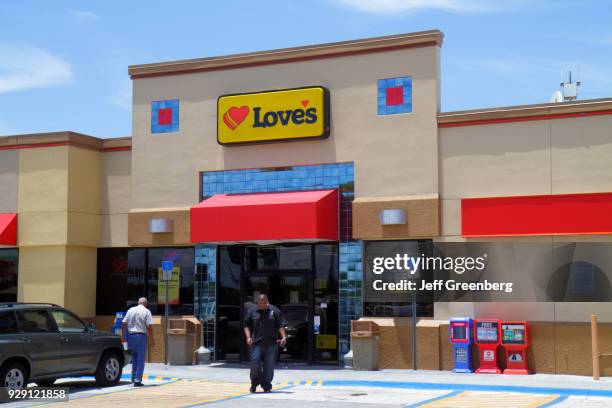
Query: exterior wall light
{"x": 395, "y": 216}
{"x": 160, "y": 225}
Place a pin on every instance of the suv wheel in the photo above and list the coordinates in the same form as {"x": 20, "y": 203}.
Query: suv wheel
{"x": 109, "y": 370}
{"x": 13, "y": 376}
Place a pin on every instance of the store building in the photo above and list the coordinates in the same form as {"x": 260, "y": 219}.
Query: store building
{"x": 277, "y": 172}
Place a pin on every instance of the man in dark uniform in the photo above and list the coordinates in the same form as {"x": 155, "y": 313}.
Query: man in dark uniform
{"x": 262, "y": 324}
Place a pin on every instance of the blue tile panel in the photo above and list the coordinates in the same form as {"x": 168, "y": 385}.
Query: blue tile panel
{"x": 173, "y": 126}
{"x": 293, "y": 178}
{"x": 205, "y": 290}
{"x": 350, "y": 279}
{"x": 298, "y": 178}
{"x": 390, "y": 109}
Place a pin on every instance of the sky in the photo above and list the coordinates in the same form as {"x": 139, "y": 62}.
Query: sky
{"x": 63, "y": 64}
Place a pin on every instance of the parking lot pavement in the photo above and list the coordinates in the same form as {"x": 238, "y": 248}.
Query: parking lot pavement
{"x": 83, "y": 387}
{"x": 158, "y": 391}
{"x": 350, "y": 395}
{"x": 228, "y": 387}
{"x": 173, "y": 392}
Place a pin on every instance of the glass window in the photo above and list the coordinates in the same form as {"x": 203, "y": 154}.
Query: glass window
{"x": 278, "y": 257}
{"x": 121, "y": 279}
{"x": 137, "y": 266}
{"x": 67, "y": 323}
{"x": 8, "y": 323}
{"x": 8, "y": 274}
{"x": 180, "y": 288}
{"x": 34, "y": 321}
{"x": 396, "y": 303}
{"x": 288, "y": 274}
{"x": 112, "y": 280}
{"x": 326, "y": 302}
{"x": 229, "y": 327}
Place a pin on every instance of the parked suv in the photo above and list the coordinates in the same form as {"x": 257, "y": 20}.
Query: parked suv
{"x": 43, "y": 342}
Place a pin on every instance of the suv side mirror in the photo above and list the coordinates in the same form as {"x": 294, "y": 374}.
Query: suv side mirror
{"x": 91, "y": 327}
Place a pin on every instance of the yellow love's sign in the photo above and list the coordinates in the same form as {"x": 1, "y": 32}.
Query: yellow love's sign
{"x": 273, "y": 115}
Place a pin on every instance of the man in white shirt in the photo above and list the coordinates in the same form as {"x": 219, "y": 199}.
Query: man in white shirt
{"x": 137, "y": 322}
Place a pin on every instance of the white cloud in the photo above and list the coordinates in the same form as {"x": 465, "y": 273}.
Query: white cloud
{"x": 24, "y": 67}
{"x": 122, "y": 97}
{"x": 83, "y": 15}
{"x": 403, "y": 6}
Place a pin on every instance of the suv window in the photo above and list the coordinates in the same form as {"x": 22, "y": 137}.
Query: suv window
{"x": 67, "y": 323}
{"x": 34, "y": 321}
{"x": 8, "y": 323}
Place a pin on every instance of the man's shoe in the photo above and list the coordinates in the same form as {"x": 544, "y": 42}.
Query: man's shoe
{"x": 268, "y": 390}
{"x": 253, "y": 389}
{"x": 138, "y": 384}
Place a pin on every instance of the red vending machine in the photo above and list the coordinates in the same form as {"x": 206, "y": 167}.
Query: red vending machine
{"x": 487, "y": 336}
{"x": 515, "y": 340}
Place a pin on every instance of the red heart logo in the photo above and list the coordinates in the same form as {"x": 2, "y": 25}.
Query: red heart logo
{"x": 235, "y": 116}
{"x": 305, "y": 102}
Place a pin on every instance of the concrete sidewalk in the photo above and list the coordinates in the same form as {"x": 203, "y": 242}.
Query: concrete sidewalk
{"x": 391, "y": 378}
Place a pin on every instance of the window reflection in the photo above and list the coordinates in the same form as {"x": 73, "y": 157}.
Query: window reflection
{"x": 300, "y": 279}
{"x": 121, "y": 279}
{"x": 8, "y": 274}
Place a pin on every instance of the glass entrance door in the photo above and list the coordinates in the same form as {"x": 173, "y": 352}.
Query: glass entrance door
{"x": 300, "y": 279}
{"x": 290, "y": 292}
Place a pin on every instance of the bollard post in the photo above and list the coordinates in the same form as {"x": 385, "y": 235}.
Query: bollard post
{"x": 595, "y": 347}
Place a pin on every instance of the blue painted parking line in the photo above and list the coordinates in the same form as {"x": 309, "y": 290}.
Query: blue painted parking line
{"x": 471, "y": 387}
{"x": 127, "y": 377}
{"x": 557, "y": 400}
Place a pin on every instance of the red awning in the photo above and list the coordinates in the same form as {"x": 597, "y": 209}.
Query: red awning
{"x": 8, "y": 229}
{"x": 556, "y": 214}
{"x": 295, "y": 216}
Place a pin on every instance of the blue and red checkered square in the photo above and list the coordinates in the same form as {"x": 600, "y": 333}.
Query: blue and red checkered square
{"x": 394, "y": 95}
{"x": 165, "y": 116}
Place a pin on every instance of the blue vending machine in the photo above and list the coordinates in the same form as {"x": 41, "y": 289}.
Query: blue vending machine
{"x": 116, "y": 327}
{"x": 461, "y": 337}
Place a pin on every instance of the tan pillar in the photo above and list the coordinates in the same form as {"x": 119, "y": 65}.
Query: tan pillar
{"x": 595, "y": 346}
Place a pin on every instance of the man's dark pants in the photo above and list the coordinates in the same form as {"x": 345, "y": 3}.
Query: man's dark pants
{"x": 266, "y": 354}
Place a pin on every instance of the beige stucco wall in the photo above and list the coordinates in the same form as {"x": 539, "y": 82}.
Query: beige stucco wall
{"x": 9, "y": 180}
{"x": 80, "y": 282}
{"x": 581, "y": 155}
{"x": 165, "y": 166}
{"x": 116, "y": 197}
{"x": 42, "y": 274}
{"x": 84, "y": 180}
{"x": 59, "y": 196}
{"x": 59, "y": 206}
{"x": 558, "y": 156}
{"x": 579, "y": 312}
{"x": 43, "y": 196}
{"x": 84, "y": 177}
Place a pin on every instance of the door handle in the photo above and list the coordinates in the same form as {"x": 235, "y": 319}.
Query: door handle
{"x": 65, "y": 339}
{"x": 26, "y": 339}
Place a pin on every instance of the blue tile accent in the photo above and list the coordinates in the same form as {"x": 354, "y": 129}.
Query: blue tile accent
{"x": 205, "y": 290}
{"x": 155, "y": 107}
{"x": 381, "y": 95}
{"x": 294, "y": 178}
